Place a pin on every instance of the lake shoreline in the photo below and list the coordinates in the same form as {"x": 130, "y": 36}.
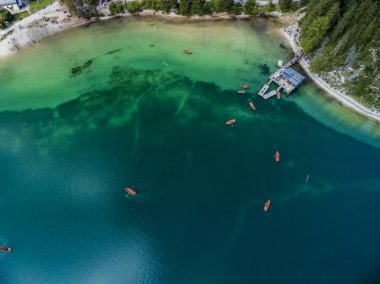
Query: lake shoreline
{"x": 55, "y": 18}
{"x": 339, "y": 95}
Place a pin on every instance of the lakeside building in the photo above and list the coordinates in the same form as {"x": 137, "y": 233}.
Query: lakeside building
{"x": 12, "y": 5}
{"x": 288, "y": 79}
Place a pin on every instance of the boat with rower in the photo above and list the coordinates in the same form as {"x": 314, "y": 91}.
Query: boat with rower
{"x": 130, "y": 191}
{"x": 231, "y": 121}
{"x": 277, "y": 156}
{"x": 188, "y": 51}
{"x": 252, "y": 106}
{"x": 245, "y": 86}
{"x": 266, "y": 205}
{"x": 5, "y": 249}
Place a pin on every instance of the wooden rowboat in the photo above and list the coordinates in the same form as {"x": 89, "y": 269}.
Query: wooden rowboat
{"x": 231, "y": 121}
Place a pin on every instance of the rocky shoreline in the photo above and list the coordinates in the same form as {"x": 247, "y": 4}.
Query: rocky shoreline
{"x": 292, "y": 35}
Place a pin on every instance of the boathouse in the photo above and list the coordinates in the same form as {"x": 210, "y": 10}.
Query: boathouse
{"x": 286, "y": 78}
{"x": 292, "y": 77}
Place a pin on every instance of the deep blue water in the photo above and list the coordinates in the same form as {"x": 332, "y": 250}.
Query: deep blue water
{"x": 198, "y": 216}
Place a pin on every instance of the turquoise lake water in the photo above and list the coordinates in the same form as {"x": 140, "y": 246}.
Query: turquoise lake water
{"x": 93, "y": 110}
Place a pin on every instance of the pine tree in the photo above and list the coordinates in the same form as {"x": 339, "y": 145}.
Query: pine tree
{"x": 167, "y": 5}
{"x": 184, "y": 7}
{"x": 226, "y": 5}
{"x": 197, "y": 7}
{"x": 5, "y": 16}
{"x": 285, "y": 4}
{"x": 315, "y": 34}
{"x": 250, "y": 7}
{"x": 341, "y": 33}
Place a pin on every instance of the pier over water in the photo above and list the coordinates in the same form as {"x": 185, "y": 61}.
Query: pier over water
{"x": 286, "y": 78}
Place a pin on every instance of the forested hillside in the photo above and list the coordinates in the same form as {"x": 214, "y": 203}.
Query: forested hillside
{"x": 345, "y": 35}
{"x": 87, "y": 8}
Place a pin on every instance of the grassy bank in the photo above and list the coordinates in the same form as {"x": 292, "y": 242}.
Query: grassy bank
{"x": 36, "y": 5}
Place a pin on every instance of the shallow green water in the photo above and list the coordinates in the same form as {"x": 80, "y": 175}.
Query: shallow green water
{"x": 138, "y": 112}
{"x": 225, "y": 55}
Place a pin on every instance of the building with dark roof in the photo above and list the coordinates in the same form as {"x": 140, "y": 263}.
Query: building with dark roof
{"x": 286, "y": 78}
{"x": 292, "y": 76}
{"x": 11, "y": 5}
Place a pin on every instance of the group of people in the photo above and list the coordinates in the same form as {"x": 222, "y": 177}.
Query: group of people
{"x": 13, "y": 41}
{"x": 307, "y": 60}
{"x": 293, "y": 34}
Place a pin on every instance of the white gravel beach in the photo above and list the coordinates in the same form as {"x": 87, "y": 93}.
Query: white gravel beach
{"x": 51, "y": 20}
{"x": 290, "y": 34}
{"x": 56, "y": 18}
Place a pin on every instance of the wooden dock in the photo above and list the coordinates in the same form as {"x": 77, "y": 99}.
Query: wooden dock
{"x": 277, "y": 78}
{"x": 264, "y": 89}
{"x": 270, "y": 94}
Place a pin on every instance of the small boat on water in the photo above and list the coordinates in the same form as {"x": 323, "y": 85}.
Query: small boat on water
{"x": 241, "y": 91}
{"x": 130, "y": 191}
{"x": 277, "y": 156}
{"x": 252, "y": 106}
{"x": 5, "y": 249}
{"x": 245, "y": 86}
{"x": 187, "y": 51}
{"x": 278, "y": 94}
{"x": 266, "y": 206}
{"x": 231, "y": 121}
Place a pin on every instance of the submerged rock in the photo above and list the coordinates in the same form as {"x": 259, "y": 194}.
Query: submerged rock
{"x": 113, "y": 51}
{"x": 264, "y": 69}
{"x": 75, "y": 71}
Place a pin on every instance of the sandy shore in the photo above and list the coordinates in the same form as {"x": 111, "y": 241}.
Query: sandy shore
{"x": 51, "y": 20}
{"x": 338, "y": 94}
{"x": 56, "y": 18}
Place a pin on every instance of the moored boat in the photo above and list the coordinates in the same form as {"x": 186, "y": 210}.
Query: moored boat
{"x": 241, "y": 91}
{"x": 130, "y": 191}
{"x": 231, "y": 121}
{"x": 187, "y": 51}
{"x": 245, "y": 86}
{"x": 277, "y": 156}
{"x": 252, "y": 106}
{"x": 5, "y": 249}
{"x": 278, "y": 94}
{"x": 266, "y": 206}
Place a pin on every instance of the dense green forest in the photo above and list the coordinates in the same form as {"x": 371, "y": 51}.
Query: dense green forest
{"x": 87, "y": 8}
{"x": 345, "y": 35}
{"x": 5, "y": 16}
